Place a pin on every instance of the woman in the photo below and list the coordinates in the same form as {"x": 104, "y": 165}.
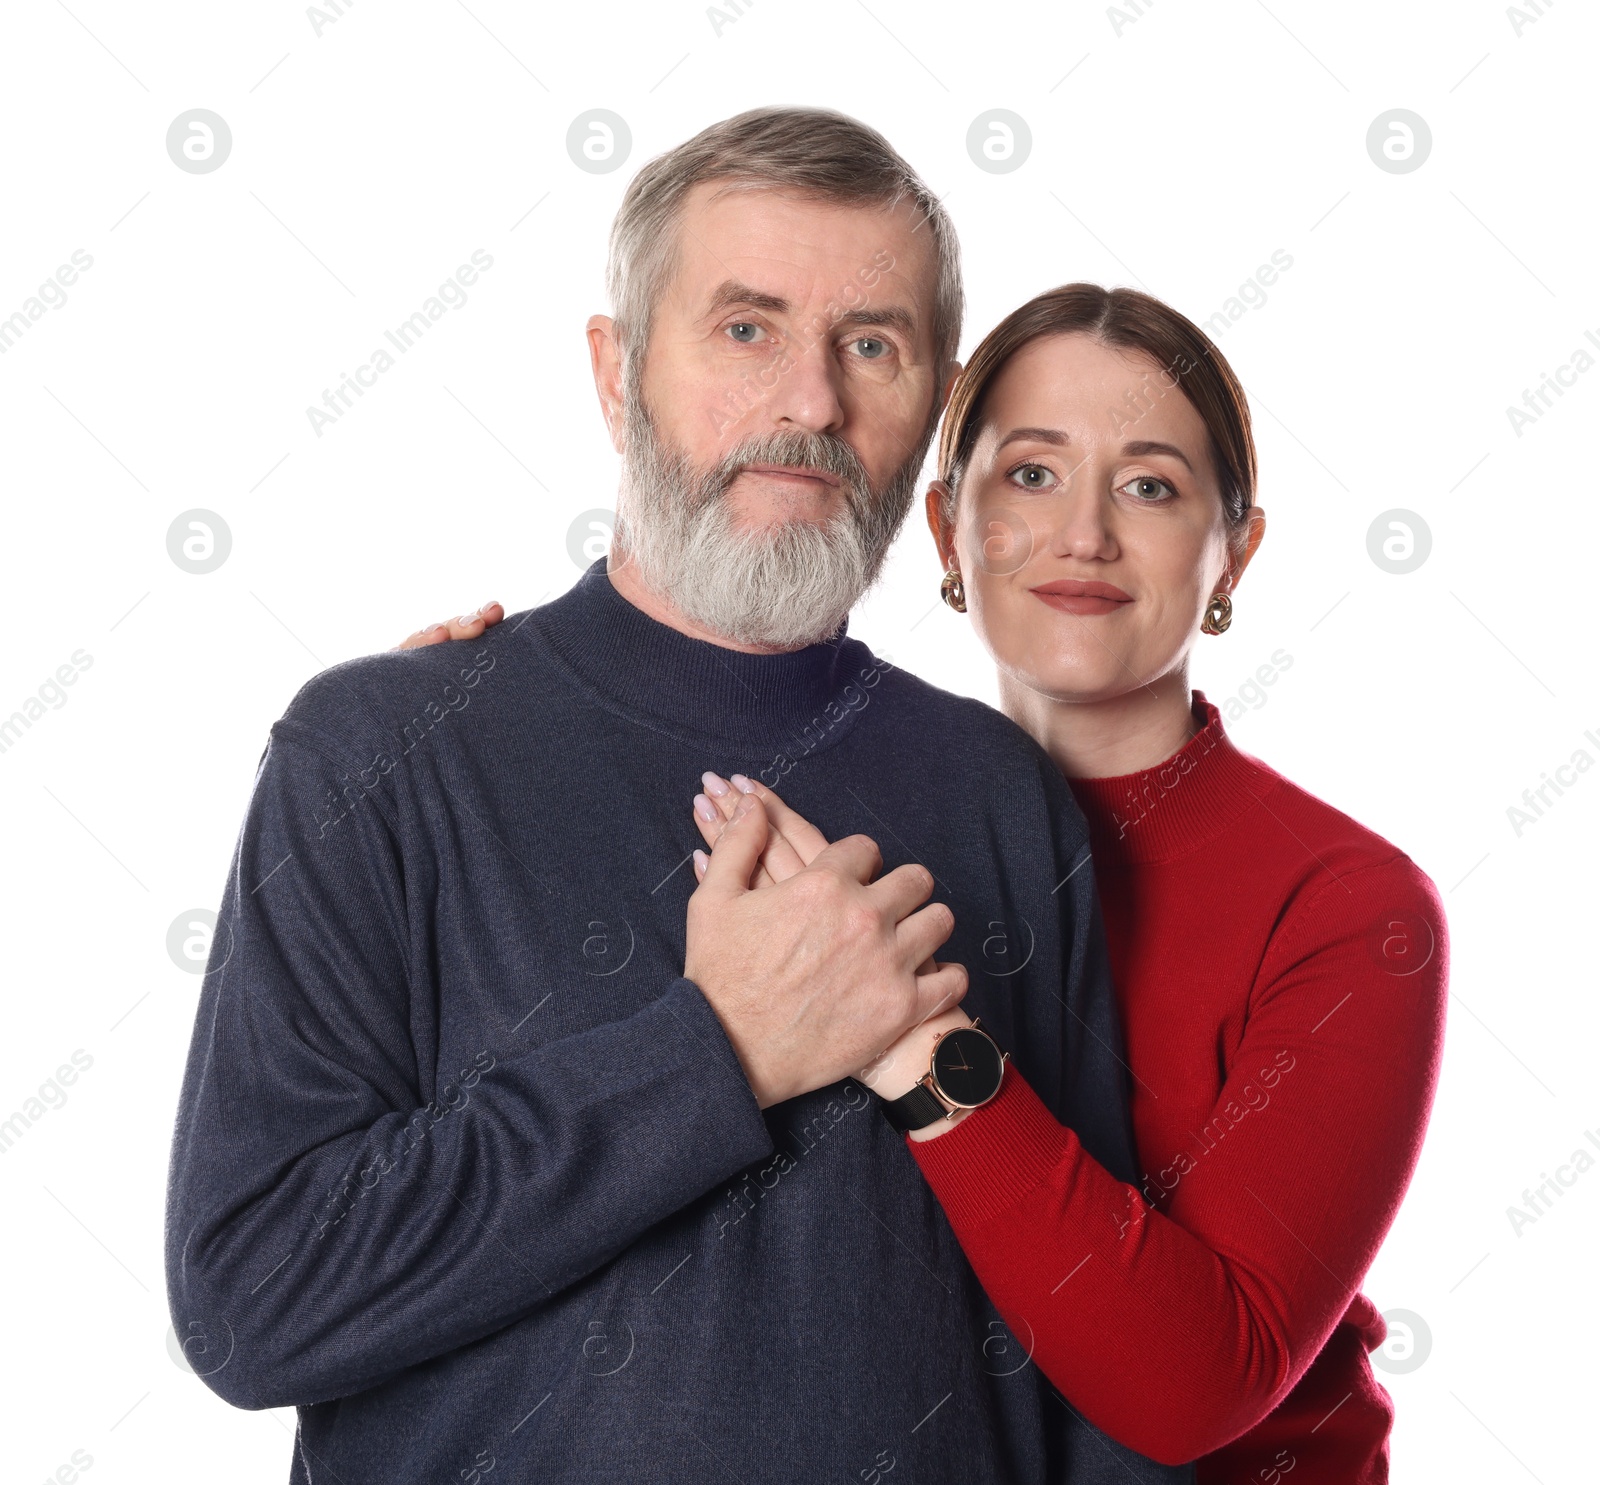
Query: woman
{"x": 1280, "y": 970}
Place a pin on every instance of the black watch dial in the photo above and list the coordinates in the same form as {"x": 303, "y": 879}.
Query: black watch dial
{"x": 967, "y": 1067}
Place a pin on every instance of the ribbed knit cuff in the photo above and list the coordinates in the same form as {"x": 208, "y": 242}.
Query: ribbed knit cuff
{"x": 996, "y": 1155}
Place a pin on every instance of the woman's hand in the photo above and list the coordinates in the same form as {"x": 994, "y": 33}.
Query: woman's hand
{"x": 900, "y": 1067}
{"x": 793, "y": 843}
{"x": 467, "y": 626}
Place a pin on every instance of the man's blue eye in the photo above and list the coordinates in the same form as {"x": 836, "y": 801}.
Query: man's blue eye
{"x": 744, "y": 332}
{"x": 871, "y": 349}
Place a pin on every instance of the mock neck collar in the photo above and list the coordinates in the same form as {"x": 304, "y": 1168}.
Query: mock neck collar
{"x": 692, "y": 686}
{"x": 1188, "y": 799}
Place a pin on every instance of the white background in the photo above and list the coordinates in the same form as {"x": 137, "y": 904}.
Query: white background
{"x": 1174, "y": 149}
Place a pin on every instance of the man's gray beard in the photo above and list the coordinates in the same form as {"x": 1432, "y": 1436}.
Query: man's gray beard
{"x": 786, "y": 586}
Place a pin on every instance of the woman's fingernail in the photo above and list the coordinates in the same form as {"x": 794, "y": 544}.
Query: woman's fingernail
{"x": 434, "y": 628}
{"x": 705, "y": 809}
{"x": 741, "y": 783}
{"x": 701, "y": 862}
{"x": 714, "y": 783}
{"x": 492, "y": 603}
{"x": 464, "y": 620}
{"x": 744, "y": 806}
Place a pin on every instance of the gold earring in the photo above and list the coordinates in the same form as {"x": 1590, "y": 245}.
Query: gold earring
{"x": 1219, "y": 614}
{"x": 953, "y": 592}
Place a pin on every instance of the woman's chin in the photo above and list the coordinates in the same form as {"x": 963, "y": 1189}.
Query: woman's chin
{"x": 1074, "y": 681}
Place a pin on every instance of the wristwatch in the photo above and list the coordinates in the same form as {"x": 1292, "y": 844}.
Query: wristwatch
{"x": 964, "y": 1072}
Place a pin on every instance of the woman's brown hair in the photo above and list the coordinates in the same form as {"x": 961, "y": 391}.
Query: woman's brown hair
{"x": 1128, "y": 320}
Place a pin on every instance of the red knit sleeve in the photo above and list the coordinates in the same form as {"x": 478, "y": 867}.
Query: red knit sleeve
{"x": 1177, "y": 1332}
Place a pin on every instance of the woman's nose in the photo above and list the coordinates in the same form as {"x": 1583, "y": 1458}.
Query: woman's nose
{"x": 1080, "y": 518}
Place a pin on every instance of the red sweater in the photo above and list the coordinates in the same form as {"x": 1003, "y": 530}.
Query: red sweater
{"x": 1281, "y": 975}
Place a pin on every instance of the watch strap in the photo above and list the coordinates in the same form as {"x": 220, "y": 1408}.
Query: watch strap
{"x": 914, "y": 1110}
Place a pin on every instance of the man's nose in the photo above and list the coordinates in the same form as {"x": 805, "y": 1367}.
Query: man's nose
{"x": 809, "y": 390}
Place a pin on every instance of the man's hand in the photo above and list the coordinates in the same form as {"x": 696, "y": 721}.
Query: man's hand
{"x": 793, "y": 844}
{"x": 814, "y": 975}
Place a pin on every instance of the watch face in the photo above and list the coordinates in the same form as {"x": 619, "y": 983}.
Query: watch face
{"x": 967, "y": 1067}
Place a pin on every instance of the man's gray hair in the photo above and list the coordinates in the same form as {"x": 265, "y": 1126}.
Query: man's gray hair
{"x": 811, "y": 150}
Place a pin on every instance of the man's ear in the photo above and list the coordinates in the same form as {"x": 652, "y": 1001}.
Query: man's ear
{"x": 935, "y": 503}
{"x": 605, "y": 360}
{"x": 952, "y": 371}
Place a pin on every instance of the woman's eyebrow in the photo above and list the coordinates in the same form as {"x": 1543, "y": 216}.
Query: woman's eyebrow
{"x": 1033, "y": 435}
{"x": 1147, "y": 446}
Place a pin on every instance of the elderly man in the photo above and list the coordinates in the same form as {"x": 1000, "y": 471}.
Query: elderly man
{"x": 504, "y": 1151}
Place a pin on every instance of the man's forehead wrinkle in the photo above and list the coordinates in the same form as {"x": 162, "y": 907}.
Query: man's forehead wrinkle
{"x": 688, "y": 231}
{"x": 766, "y": 280}
{"x": 801, "y": 282}
{"x": 792, "y": 258}
{"x": 732, "y": 273}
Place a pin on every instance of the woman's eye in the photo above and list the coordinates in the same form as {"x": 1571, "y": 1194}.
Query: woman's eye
{"x": 744, "y": 332}
{"x": 870, "y": 348}
{"x": 1033, "y": 477}
{"x": 1148, "y": 488}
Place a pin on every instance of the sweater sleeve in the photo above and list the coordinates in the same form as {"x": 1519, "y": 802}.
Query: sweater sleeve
{"x": 1177, "y": 1330}
{"x": 336, "y": 1211}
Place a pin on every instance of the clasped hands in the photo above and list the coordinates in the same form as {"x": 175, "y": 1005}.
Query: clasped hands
{"x": 768, "y": 859}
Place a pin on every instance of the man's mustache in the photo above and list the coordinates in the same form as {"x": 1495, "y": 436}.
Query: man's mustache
{"x": 797, "y": 449}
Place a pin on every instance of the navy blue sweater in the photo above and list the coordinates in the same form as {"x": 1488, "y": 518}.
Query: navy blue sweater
{"x": 468, "y": 1172}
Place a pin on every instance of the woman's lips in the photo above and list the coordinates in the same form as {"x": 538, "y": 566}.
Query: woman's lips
{"x": 1070, "y": 596}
